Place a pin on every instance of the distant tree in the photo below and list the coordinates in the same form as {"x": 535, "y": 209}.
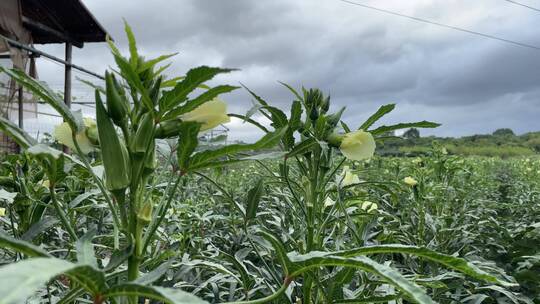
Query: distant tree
{"x": 411, "y": 133}
{"x": 503, "y": 132}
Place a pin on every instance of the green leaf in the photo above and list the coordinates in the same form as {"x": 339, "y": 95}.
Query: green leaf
{"x": 452, "y": 262}
{"x": 279, "y": 119}
{"x": 298, "y": 97}
{"x": 166, "y": 295}
{"x": 279, "y": 247}
{"x": 315, "y": 259}
{"x": 17, "y": 134}
{"x": 21, "y": 246}
{"x": 7, "y": 197}
{"x": 218, "y": 267}
{"x": 152, "y": 62}
{"x": 303, "y": 147}
{"x": 247, "y": 281}
{"x": 383, "y": 110}
{"x": 129, "y": 73}
{"x": 251, "y": 121}
{"x": 41, "y": 90}
{"x": 187, "y": 143}
{"x": 253, "y": 198}
{"x": 118, "y": 257}
{"x": 203, "y": 159}
{"x": 193, "y": 79}
{"x": 134, "y": 55}
{"x": 198, "y": 101}
{"x": 39, "y": 227}
{"x": 154, "y": 275}
{"x": 419, "y": 124}
{"x": 85, "y": 249}
{"x": 20, "y": 280}
{"x": 44, "y": 151}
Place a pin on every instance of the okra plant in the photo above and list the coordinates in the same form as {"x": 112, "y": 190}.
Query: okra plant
{"x": 137, "y": 107}
{"x": 319, "y": 244}
{"x": 321, "y": 240}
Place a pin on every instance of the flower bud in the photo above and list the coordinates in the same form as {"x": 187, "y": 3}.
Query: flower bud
{"x": 410, "y": 181}
{"x": 145, "y": 213}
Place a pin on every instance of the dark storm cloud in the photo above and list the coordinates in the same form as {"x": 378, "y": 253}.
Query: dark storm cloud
{"x": 362, "y": 58}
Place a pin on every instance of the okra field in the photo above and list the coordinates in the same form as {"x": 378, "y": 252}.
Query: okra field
{"x": 132, "y": 207}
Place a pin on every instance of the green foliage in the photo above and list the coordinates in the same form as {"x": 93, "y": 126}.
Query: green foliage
{"x": 285, "y": 219}
{"x": 503, "y": 146}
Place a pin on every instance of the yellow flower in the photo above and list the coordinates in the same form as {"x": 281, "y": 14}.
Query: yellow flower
{"x": 211, "y": 114}
{"x": 46, "y": 183}
{"x": 369, "y": 206}
{"x": 357, "y": 145}
{"x": 347, "y": 177}
{"x": 62, "y": 134}
{"x": 2, "y": 211}
{"x": 410, "y": 181}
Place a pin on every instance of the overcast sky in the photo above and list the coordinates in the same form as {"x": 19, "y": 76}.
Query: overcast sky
{"x": 361, "y": 57}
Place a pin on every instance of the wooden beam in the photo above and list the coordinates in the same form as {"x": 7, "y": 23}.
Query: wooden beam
{"x": 21, "y": 46}
{"x": 35, "y": 25}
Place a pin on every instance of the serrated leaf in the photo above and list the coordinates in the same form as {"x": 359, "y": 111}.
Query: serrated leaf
{"x": 204, "y": 159}
{"x": 187, "y": 143}
{"x": 383, "y": 110}
{"x": 85, "y": 249}
{"x": 452, "y": 262}
{"x": 182, "y": 89}
{"x": 419, "y": 124}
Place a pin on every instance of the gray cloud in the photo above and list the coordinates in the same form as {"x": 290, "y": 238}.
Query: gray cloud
{"x": 362, "y": 58}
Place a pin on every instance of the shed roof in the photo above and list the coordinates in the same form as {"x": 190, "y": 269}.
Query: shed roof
{"x": 58, "y": 21}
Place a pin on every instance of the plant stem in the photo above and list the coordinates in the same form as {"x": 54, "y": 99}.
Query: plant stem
{"x": 101, "y": 187}
{"x": 61, "y": 214}
{"x": 161, "y": 212}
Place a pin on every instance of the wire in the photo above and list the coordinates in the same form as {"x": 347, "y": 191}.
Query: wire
{"x": 530, "y": 46}
{"x": 524, "y": 5}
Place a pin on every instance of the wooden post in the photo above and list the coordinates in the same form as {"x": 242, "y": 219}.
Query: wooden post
{"x": 67, "y": 75}
{"x": 21, "y": 107}
{"x": 20, "y": 112}
{"x": 67, "y": 81}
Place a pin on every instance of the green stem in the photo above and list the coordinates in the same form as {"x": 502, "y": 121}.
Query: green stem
{"x": 101, "y": 187}
{"x": 61, "y": 214}
{"x": 161, "y": 212}
{"x": 134, "y": 230}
